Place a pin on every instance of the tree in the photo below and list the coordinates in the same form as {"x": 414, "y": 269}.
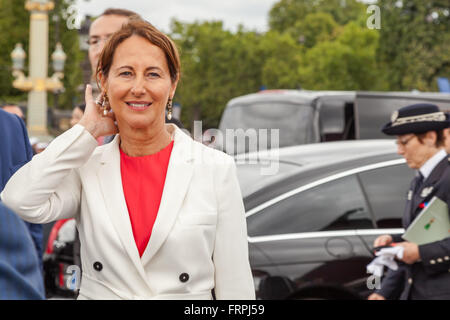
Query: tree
{"x": 281, "y": 58}
{"x": 348, "y": 63}
{"x": 217, "y": 66}
{"x": 315, "y": 27}
{"x": 14, "y": 22}
{"x": 415, "y": 43}
{"x": 287, "y": 13}
{"x": 337, "y": 51}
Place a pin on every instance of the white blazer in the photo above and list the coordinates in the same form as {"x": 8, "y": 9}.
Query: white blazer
{"x": 199, "y": 239}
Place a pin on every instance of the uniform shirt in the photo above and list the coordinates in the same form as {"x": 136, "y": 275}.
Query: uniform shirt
{"x": 143, "y": 183}
{"x": 431, "y": 163}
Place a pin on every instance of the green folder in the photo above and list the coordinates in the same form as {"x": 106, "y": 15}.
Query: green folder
{"x": 432, "y": 224}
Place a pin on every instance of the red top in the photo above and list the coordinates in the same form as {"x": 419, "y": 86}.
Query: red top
{"x": 143, "y": 183}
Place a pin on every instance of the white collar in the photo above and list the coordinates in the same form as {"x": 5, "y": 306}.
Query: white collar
{"x": 431, "y": 163}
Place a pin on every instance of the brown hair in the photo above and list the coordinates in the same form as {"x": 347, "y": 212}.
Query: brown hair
{"x": 147, "y": 31}
{"x": 440, "y": 139}
{"x": 119, "y": 12}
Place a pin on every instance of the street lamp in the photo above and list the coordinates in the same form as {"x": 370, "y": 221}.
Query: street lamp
{"x": 18, "y": 56}
{"x": 38, "y": 83}
{"x": 58, "y": 59}
{"x": 24, "y": 83}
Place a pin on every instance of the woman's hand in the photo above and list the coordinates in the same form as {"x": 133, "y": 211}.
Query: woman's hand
{"x": 410, "y": 253}
{"x": 376, "y": 296}
{"x": 383, "y": 240}
{"x": 93, "y": 119}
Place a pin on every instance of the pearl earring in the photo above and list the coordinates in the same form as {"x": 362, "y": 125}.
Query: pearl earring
{"x": 169, "y": 109}
{"x": 105, "y": 105}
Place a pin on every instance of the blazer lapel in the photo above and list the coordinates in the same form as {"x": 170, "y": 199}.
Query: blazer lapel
{"x": 178, "y": 177}
{"x": 409, "y": 203}
{"x": 437, "y": 172}
{"x": 430, "y": 182}
{"x": 111, "y": 185}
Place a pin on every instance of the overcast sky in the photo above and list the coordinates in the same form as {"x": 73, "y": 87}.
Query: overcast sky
{"x": 253, "y": 14}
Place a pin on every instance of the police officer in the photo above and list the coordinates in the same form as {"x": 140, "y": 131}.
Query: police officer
{"x": 424, "y": 272}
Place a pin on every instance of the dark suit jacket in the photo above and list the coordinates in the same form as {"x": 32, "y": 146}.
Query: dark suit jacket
{"x": 428, "y": 278}
{"x": 20, "y": 275}
{"x": 15, "y": 151}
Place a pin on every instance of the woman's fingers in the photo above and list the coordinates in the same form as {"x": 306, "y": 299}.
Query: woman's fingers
{"x": 97, "y": 123}
{"x": 88, "y": 96}
{"x": 91, "y": 103}
{"x": 382, "y": 241}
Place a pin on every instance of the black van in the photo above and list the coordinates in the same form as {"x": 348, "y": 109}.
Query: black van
{"x": 303, "y": 116}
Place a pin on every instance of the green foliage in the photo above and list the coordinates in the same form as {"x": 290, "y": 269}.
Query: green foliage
{"x": 14, "y": 22}
{"x": 414, "y": 43}
{"x": 322, "y": 45}
{"x": 216, "y": 66}
{"x": 287, "y": 13}
{"x": 348, "y": 63}
{"x": 315, "y": 27}
{"x": 282, "y": 54}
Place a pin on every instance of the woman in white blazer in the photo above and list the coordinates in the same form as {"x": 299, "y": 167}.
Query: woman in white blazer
{"x": 198, "y": 241}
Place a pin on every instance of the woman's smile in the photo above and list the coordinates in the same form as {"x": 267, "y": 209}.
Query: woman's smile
{"x": 138, "y": 105}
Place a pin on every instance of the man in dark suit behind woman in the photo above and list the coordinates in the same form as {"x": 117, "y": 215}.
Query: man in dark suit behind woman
{"x": 20, "y": 242}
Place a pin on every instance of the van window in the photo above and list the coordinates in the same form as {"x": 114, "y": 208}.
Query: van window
{"x": 337, "y": 119}
{"x": 294, "y": 122}
{"x": 336, "y": 205}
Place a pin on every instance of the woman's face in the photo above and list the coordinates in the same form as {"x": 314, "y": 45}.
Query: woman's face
{"x": 138, "y": 84}
{"x": 416, "y": 153}
{"x": 77, "y": 114}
